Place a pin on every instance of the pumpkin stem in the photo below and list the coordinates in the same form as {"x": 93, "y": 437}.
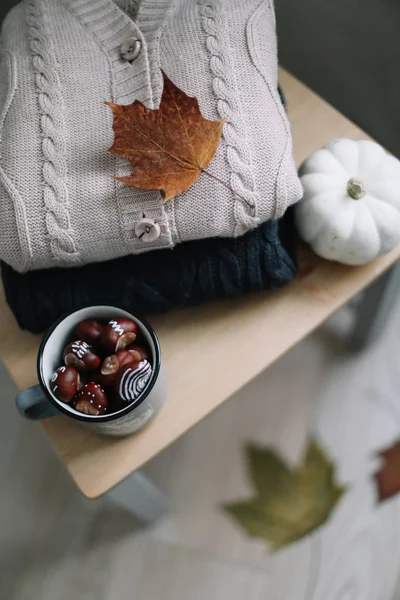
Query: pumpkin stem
{"x": 356, "y": 188}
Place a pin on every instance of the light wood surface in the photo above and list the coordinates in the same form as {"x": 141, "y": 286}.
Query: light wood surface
{"x": 57, "y": 545}
{"x": 213, "y": 351}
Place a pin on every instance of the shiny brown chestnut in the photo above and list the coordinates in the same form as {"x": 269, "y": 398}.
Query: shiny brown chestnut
{"x": 92, "y": 400}
{"x": 95, "y": 376}
{"x": 115, "y": 403}
{"x": 90, "y": 331}
{"x": 80, "y": 355}
{"x": 118, "y": 334}
{"x": 139, "y": 352}
{"x": 65, "y": 383}
{"x": 132, "y": 379}
{"x": 112, "y": 364}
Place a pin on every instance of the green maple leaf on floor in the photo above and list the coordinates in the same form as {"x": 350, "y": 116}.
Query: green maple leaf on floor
{"x": 289, "y": 503}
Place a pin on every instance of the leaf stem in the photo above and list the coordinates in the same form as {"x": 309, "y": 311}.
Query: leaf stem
{"x": 228, "y": 187}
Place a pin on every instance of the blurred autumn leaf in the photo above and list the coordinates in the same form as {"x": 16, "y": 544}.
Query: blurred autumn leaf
{"x": 388, "y": 477}
{"x": 289, "y": 503}
{"x": 168, "y": 147}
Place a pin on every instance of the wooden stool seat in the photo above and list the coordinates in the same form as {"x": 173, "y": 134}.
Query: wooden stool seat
{"x": 210, "y": 352}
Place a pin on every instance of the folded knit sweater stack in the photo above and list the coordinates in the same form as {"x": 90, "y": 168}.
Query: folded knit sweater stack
{"x": 69, "y": 233}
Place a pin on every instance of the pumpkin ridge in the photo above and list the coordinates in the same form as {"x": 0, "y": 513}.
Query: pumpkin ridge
{"x": 371, "y": 194}
{"x": 355, "y": 230}
{"x": 364, "y": 147}
{"x": 349, "y": 163}
{"x": 377, "y": 194}
{"x": 331, "y": 183}
{"x": 341, "y": 165}
{"x": 376, "y": 211}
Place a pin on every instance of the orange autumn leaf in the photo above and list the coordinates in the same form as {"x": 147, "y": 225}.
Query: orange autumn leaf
{"x": 168, "y": 147}
{"x": 388, "y": 477}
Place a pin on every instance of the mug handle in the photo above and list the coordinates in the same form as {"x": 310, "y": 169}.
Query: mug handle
{"x": 32, "y": 404}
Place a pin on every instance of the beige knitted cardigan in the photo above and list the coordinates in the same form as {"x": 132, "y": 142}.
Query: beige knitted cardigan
{"x": 60, "y": 60}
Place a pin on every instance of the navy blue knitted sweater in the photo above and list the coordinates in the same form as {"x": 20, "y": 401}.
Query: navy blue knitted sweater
{"x": 190, "y": 274}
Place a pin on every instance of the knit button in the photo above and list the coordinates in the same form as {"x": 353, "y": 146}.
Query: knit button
{"x": 131, "y": 49}
{"x": 147, "y": 230}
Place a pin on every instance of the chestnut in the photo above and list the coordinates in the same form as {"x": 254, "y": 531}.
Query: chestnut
{"x": 97, "y": 377}
{"x": 115, "y": 403}
{"x": 139, "y": 352}
{"x": 112, "y": 364}
{"x": 92, "y": 400}
{"x": 89, "y": 331}
{"x": 65, "y": 383}
{"x": 80, "y": 355}
{"x": 132, "y": 379}
{"x": 118, "y": 334}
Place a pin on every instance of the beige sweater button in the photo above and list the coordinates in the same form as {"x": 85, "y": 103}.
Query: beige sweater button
{"x": 147, "y": 230}
{"x": 131, "y": 49}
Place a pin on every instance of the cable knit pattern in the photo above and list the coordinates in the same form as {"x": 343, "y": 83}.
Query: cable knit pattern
{"x": 7, "y": 92}
{"x": 235, "y": 134}
{"x": 63, "y": 246}
{"x": 130, "y": 82}
{"x": 70, "y": 56}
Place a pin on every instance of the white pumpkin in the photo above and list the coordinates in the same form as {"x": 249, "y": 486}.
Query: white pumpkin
{"x": 351, "y": 206}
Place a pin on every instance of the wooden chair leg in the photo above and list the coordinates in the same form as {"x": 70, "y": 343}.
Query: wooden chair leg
{"x": 375, "y": 308}
{"x": 141, "y": 497}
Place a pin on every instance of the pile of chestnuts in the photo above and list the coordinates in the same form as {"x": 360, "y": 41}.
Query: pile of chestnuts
{"x": 104, "y": 369}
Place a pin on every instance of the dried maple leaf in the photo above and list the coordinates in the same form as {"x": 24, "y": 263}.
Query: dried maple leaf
{"x": 388, "y": 477}
{"x": 289, "y": 503}
{"x": 169, "y": 147}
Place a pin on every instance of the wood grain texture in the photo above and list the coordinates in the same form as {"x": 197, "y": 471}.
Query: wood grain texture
{"x": 57, "y": 545}
{"x": 247, "y": 335}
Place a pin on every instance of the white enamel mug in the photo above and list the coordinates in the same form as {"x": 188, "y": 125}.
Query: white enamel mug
{"x": 39, "y": 402}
